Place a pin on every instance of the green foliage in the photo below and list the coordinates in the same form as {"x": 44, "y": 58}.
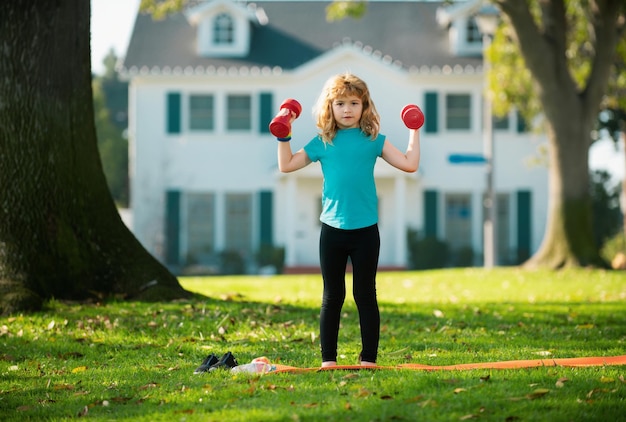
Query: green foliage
{"x": 511, "y": 81}
{"x": 270, "y": 255}
{"x": 159, "y": 9}
{"x": 605, "y": 201}
{"x": 426, "y": 253}
{"x": 339, "y": 10}
{"x": 112, "y": 145}
{"x": 614, "y": 246}
{"x": 231, "y": 262}
{"x": 135, "y": 361}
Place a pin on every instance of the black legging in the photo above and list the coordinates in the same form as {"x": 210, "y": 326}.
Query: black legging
{"x": 362, "y": 246}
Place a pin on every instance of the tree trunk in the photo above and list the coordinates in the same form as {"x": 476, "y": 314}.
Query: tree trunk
{"x": 568, "y": 240}
{"x": 60, "y": 233}
{"x": 570, "y": 109}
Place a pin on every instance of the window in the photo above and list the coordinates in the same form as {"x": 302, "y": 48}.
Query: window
{"x": 473, "y": 33}
{"x": 458, "y": 111}
{"x": 200, "y": 228}
{"x": 239, "y": 223}
{"x": 223, "y": 30}
{"x": 239, "y": 112}
{"x": 458, "y": 221}
{"x": 201, "y": 112}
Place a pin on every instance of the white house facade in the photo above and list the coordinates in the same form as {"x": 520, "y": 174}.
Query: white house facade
{"x": 205, "y": 83}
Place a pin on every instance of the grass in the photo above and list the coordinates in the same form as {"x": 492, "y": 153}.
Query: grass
{"x": 135, "y": 361}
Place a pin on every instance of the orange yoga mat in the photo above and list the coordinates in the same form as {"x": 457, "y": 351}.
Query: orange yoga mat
{"x": 511, "y": 364}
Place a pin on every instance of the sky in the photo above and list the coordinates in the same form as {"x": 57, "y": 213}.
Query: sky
{"x": 112, "y": 23}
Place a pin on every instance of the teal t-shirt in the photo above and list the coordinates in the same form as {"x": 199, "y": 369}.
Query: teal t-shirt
{"x": 349, "y": 199}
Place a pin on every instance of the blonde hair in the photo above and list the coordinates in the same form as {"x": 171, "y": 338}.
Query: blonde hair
{"x": 344, "y": 85}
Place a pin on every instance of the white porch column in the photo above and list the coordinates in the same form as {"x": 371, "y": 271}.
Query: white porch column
{"x": 290, "y": 221}
{"x": 400, "y": 220}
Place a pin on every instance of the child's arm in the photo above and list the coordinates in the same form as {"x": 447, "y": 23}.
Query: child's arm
{"x": 288, "y": 161}
{"x": 410, "y": 160}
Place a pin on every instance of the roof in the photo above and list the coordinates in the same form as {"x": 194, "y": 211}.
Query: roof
{"x": 403, "y": 33}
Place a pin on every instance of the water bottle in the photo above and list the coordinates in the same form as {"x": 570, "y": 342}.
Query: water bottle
{"x": 257, "y": 366}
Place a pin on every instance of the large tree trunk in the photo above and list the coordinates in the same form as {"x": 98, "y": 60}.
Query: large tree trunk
{"x": 568, "y": 239}
{"x": 570, "y": 111}
{"x": 60, "y": 233}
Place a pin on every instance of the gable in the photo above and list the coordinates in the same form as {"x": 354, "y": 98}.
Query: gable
{"x": 348, "y": 56}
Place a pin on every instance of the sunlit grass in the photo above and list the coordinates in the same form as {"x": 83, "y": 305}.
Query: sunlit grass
{"x": 135, "y": 361}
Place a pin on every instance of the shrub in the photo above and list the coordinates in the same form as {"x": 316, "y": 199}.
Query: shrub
{"x": 426, "y": 253}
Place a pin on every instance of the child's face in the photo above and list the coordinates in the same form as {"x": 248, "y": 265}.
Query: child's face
{"x": 347, "y": 111}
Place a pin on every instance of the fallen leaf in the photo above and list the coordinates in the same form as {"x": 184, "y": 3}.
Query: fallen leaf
{"x": 414, "y": 399}
{"x": 559, "y": 384}
{"x": 150, "y": 385}
{"x": 538, "y": 393}
{"x": 595, "y": 391}
{"x": 459, "y": 390}
{"x": 79, "y": 369}
{"x": 186, "y": 411}
{"x": 363, "y": 392}
{"x": 347, "y": 406}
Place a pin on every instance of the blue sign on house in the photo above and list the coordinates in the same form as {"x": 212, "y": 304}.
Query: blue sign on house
{"x": 467, "y": 159}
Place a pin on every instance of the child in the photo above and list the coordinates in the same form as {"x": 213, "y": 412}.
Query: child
{"x": 347, "y": 147}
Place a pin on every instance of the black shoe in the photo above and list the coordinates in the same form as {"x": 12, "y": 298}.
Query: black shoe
{"x": 206, "y": 364}
{"x": 227, "y": 361}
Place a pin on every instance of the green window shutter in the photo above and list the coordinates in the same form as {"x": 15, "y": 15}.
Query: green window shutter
{"x": 521, "y": 123}
{"x": 524, "y": 225}
{"x": 431, "y": 114}
{"x": 172, "y": 227}
{"x": 266, "y": 111}
{"x": 173, "y": 112}
{"x": 430, "y": 213}
{"x": 265, "y": 208}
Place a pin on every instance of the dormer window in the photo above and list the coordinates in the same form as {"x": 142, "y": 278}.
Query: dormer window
{"x": 223, "y": 30}
{"x": 473, "y": 34}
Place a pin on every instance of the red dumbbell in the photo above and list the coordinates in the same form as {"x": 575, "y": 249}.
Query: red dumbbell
{"x": 280, "y": 126}
{"x": 412, "y": 116}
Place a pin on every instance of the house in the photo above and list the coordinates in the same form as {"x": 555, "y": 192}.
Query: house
{"x": 205, "y": 83}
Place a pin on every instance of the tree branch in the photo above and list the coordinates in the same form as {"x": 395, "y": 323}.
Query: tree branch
{"x": 607, "y": 29}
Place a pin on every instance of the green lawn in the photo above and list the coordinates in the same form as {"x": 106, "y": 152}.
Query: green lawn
{"x": 135, "y": 361}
